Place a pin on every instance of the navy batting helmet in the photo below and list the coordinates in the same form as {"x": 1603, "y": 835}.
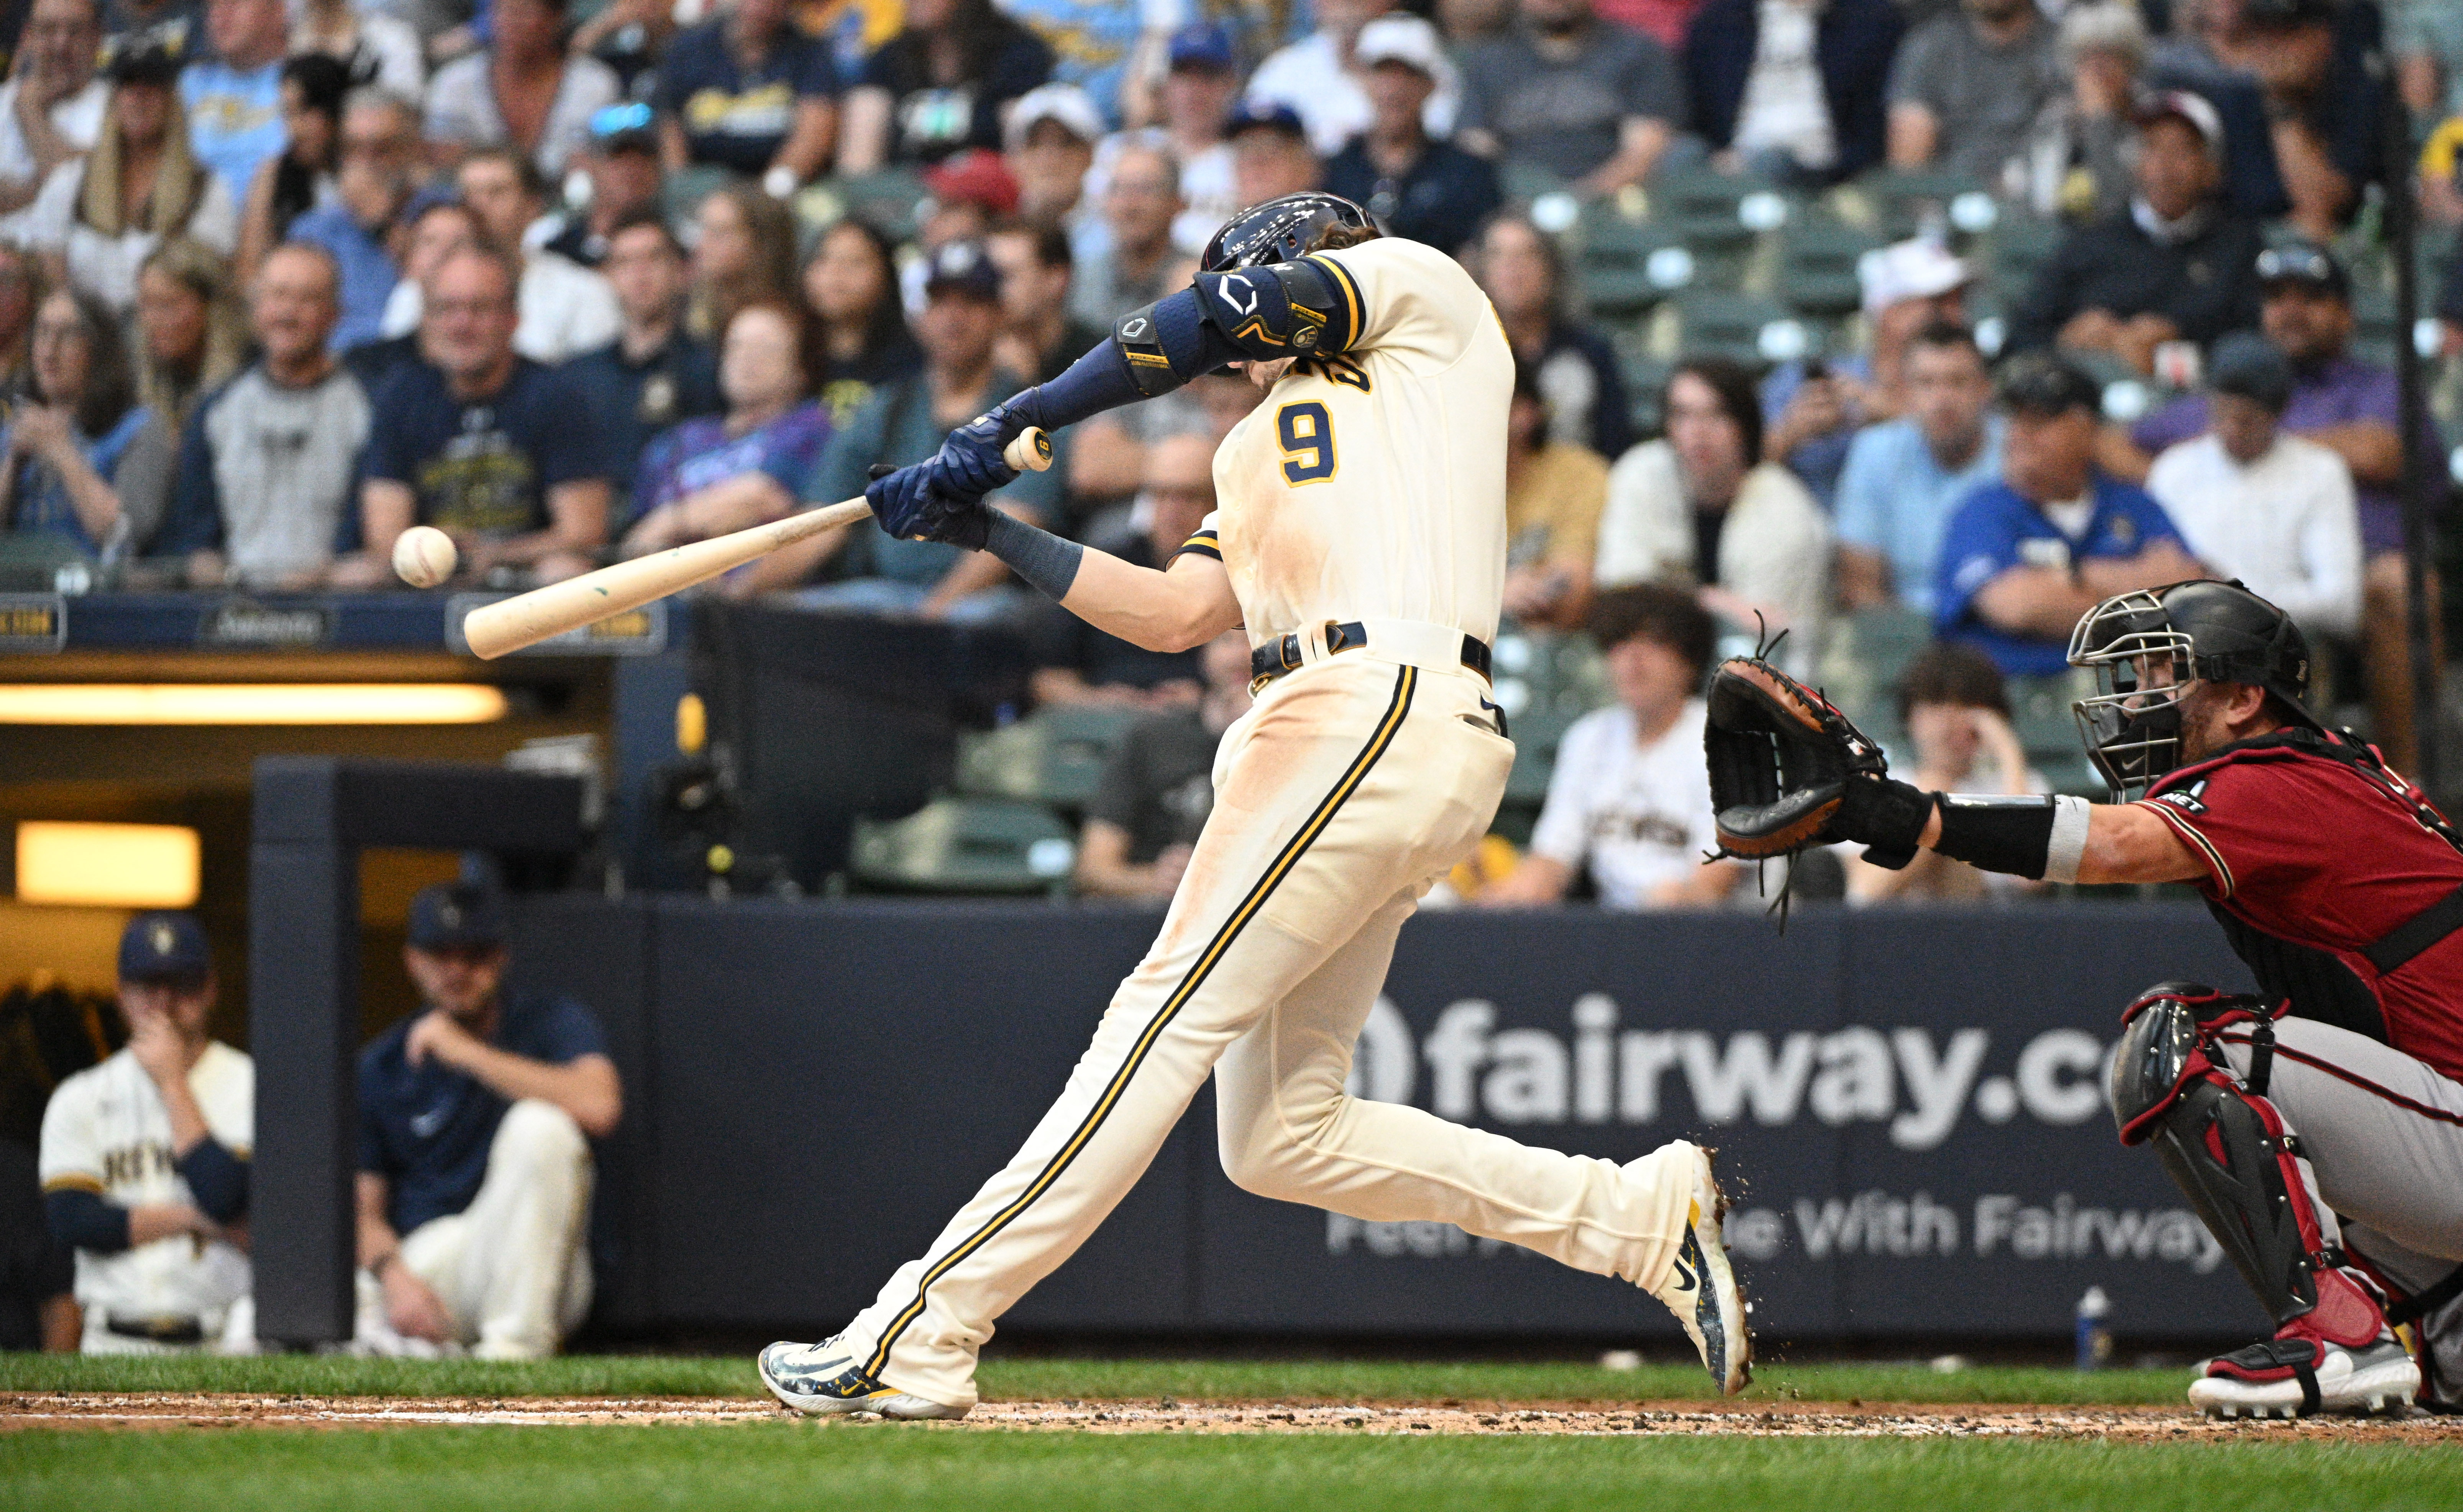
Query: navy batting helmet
{"x": 2146, "y": 647}
{"x": 1280, "y": 230}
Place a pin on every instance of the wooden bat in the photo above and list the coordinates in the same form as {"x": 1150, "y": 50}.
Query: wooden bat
{"x": 526, "y": 619}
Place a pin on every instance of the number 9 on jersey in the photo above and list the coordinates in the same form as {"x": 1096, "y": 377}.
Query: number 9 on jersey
{"x": 1306, "y": 436}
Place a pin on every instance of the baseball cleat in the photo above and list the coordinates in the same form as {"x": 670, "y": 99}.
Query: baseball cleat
{"x": 1701, "y": 1286}
{"x": 2294, "y": 1378}
{"x": 825, "y": 1377}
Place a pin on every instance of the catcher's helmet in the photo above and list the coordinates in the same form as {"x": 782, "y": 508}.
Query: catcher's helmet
{"x": 2146, "y": 647}
{"x": 1280, "y": 230}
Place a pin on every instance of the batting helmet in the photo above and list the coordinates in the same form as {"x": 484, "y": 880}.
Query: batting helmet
{"x": 1280, "y": 230}
{"x": 2146, "y": 648}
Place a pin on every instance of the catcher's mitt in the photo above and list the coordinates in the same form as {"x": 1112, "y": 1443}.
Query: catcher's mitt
{"x": 1781, "y": 757}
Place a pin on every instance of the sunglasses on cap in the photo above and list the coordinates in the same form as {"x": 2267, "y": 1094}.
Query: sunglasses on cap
{"x": 2303, "y": 265}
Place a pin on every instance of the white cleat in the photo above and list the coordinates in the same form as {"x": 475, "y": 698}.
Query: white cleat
{"x": 1701, "y": 1287}
{"x": 2295, "y": 1377}
{"x": 828, "y": 1377}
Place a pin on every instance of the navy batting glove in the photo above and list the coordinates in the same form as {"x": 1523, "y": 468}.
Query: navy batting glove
{"x": 969, "y": 460}
{"x": 907, "y": 503}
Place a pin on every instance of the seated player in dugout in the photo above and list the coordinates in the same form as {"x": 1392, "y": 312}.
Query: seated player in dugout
{"x": 1359, "y": 536}
{"x": 476, "y": 1117}
{"x": 2318, "y": 1126}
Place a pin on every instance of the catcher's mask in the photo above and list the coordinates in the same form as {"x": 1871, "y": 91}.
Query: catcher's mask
{"x": 2149, "y": 649}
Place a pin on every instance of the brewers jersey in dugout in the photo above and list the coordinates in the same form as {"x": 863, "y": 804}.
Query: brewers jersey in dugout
{"x": 105, "y": 1131}
{"x": 1371, "y": 485}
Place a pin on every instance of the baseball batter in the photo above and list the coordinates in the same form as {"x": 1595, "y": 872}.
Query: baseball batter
{"x": 144, "y": 1159}
{"x": 2317, "y": 1127}
{"x": 1361, "y": 540}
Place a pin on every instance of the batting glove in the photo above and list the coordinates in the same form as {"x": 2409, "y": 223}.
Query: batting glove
{"x": 908, "y": 504}
{"x": 969, "y": 460}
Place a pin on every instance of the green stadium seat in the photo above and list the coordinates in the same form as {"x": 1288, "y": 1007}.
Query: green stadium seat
{"x": 2048, "y": 732}
{"x": 1897, "y": 205}
{"x": 1865, "y": 659}
{"x": 1624, "y": 268}
{"x": 966, "y": 845}
{"x": 1536, "y": 733}
{"x": 2021, "y": 244}
{"x": 1055, "y": 756}
{"x": 1817, "y": 269}
{"x": 1745, "y": 327}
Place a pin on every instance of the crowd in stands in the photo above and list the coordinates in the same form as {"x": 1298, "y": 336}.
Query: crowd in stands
{"x": 579, "y": 279}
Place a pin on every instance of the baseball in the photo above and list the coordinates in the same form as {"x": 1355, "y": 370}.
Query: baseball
{"x": 423, "y": 557}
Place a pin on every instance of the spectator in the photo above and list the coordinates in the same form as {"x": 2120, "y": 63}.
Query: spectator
{"x": 744, "y": 252}
{"x": 1905, "y": 477}
{"x": 301, "y": 176}
{"x": 2192, "y": 57}
{"x": 1703, "y": 507}
{"x": 631, "y": 35}
{"x": 1967, "y": 88}
{"x": 939, "y": 85}
{"x": 1270, "y": 156}
{"x": 1050, "y": 139}
{"x": 1139, "y": 265}
{"x": 481, "y": 441}
{"x": 371, "y": 47}
{"x": 476, "y": 1117}
{"x": 851, "y": 292}
{"x": 2023, "y": 558}
{"x": 1630, "y": 800}
{"x": 653, "y": 375}
{"x": 98, "y": 217}
{"x": 966, "y": 192}
{"x": 1041, "y": 334}
{"x": 2271, "y": 510}
{"x": 2312, "y": 64}
{"x": 380, "y": 152}
{"x": 2426, "y": 39}
{"x": 1524, "y": 274}
{"x": 192, "y": 336}
{"x": 79, "y": 457}
{"x": 1795, "y": 89}
{"x": 1417, "y": 187}
{"x": 146, "y": 1161}
{"x": 435, "y": 226}
{"x": 567, "y": 309}
{"x": 1590, "y": 102}
{"x": 2079, "y": 162}
{"x": 2352, "y": 408}
{"x": 21, "y": 291}
{"x": 38, "y": 1306}
{"x": 523, "y": 91}
{"x": 1817, "y": 408}
{"x": 1092, "y": 42}
{"x": 623, "y": 172}
{"x": 905, "y": 421}
{"x": 1201, "y": 83}
{"x": 2177, "y": 265}
{"x": 750, "y": 93}
{"x": 707, "y": 477}
{"x": 1076, "y": 663}
{"x": 1321, "y": 78}
{"x": 233, "y": 97}
{"x": 1956, "y": 714}
{"x": 1553, "y": 493}
{"x": 51, "y": 108}
{"x": 267, "y": 464}
{"x": 1158, "y": 785}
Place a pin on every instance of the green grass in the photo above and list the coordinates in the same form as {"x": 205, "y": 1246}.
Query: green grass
{"x": 1195, "y": 1380}
{"x": 881, "y": 1466}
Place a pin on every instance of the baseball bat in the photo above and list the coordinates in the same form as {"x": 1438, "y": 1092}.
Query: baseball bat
{"x": 525, "y": 619}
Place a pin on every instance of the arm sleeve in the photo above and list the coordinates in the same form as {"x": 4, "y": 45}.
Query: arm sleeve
{"x": 195, "y": 520}
{"x": 217, "y": 1178}
{"x": 2233, "y": 822}
{"x": 89, "y": 1220}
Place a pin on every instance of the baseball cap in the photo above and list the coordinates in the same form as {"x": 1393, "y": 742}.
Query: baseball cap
{"x": 2248, "y": 364}
{"x": 163, "y": 947}
{"x": 1264, "y": 115}
{"x": 627, "y": 127}
{"x": 457, "y": 914}
{"x": 977, "y": 176}
{"x": 2306, "y": 264}
{"x": 2041, "y": 383}
{"x": 1066, "y": 103}
{"x": 1201, "y": 44}
{"x": 963, "y": 266}
{"x": 2179, "y": 104}
{"x": 1404, "y": 39}
{"x": 151, "y": 56}
{"x": 1915, "y": 268}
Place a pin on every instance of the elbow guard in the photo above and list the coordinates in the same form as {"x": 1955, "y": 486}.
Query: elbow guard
{"x": 1309, "y": 308}
{"x": 86, "y": 1220}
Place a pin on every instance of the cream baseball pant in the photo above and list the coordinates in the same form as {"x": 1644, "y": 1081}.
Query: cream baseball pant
{"x": 512, "y": 1268}
{"x": 1340, "y": 798}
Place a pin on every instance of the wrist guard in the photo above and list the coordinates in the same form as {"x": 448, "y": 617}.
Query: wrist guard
{"x": 1885, "y": 816}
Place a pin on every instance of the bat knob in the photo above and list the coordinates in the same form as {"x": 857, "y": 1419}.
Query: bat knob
{"x": 1029, "y": 451}
{"x": 879, "y": 470}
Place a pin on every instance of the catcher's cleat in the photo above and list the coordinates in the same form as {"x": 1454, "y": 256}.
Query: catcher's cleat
{"x": 825, "y": 1378}
{"x": 2294, "y": 1378}
{"x": 1701, "y": 1286}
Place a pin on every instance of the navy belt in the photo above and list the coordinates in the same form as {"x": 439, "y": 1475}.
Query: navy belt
{"x": 1282, "y": 654}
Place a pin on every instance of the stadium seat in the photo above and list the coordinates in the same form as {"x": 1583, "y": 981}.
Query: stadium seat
{"x": 1863, "y": 662}
{"x": 1817, "y": 269}
{"x": 966, "y": 845}
{"x": 1894, "y": 206}
{"x": 1626, "y": 269}
{"x": 1055, "y": 756}
{"x": 2021, "y": 244}
{"x": 2040, "y": 715}
{"x": 1536, "y": 733}
{"x": 1749, "y": 328}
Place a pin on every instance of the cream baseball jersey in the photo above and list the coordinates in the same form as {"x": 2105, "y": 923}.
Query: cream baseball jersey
{"x": 106, "y": 1132}
{"x": 1371, "y": 485}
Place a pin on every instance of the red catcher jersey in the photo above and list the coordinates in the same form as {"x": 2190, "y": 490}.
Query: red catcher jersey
{"x": 2317, "y": 863}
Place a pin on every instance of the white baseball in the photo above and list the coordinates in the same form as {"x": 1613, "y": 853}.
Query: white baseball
{"x": 423, "y": 557}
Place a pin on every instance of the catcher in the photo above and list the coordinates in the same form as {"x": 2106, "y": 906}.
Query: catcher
{"x": 2317, "y": 1128}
